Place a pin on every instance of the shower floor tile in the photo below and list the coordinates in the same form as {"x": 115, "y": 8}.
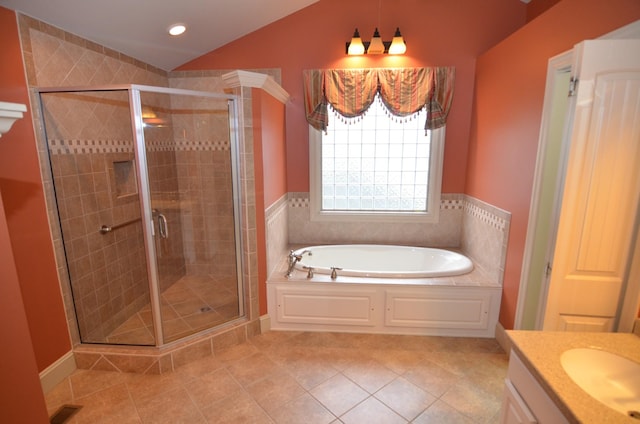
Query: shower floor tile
{"x": 191, "y": 304}
{"x": 292, "y": 377}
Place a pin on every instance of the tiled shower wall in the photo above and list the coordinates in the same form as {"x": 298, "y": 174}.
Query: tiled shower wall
{"x": 52, "y": 58}
{"x": 56, "y": 58}
{"x": 477, "y": 229}
{"x": 93, "y": 168}
{"x": 213, "y": 81}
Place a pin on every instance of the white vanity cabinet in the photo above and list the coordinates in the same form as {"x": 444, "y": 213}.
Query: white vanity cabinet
{"x": 524, "y": 400}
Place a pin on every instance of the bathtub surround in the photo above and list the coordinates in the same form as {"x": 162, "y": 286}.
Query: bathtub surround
{"x": 397, "y": 306}
{"x": 277, "y": 228}
{"x": 477, "y": 229}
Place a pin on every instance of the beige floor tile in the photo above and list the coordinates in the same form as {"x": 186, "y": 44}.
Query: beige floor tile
{"x": 274, "y": 391}
{"x": 309, "y": 372}
{"x": 399, "y": 361}
{"x": 405, "y": 398}
{"x": 339, "y": 394}
{"x": 371, "y": 375}
{"x": 304, "y": 409}
{"x": 297, "y": 377}
{"x": 253, "y": 368}
{"x": 111, "y": 405}
{"x": 240, "y": 409}
{"x": 86, "y": 382}
{"x": 143, "y": 387}
{"x": 170, "y": 407}
{"x": 441, "y": 413}
{"x": 213, "y": 388}
{"x": 199, "y": 368}
{"x": 58, "y": 396}
{"x": 431, "y": 378}
{"x": 372, "y": 411}
{"x": 472, "y": 401}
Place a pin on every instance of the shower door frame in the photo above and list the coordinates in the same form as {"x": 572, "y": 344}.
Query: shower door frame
{"x": 142, "y": 173}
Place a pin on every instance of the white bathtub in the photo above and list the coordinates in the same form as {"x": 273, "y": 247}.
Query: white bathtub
{"x": 382, "y": 261}
{"x": 366, "y": 297}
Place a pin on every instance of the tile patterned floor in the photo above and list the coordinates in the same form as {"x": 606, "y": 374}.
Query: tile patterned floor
{"x": 305, "y": 378}
{"x": 191, "y": 304}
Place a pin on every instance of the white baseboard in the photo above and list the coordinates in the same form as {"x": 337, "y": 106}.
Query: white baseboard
{"x": 58, "y": 371}
{"x": 502, "y": 338}
{"x": 265, "y": 324}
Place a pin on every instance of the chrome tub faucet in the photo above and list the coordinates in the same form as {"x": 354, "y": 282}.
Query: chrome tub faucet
{"x": 293, "y": 259}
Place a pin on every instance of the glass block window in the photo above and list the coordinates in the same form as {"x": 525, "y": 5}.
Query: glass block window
{"x": 377, "y": 163}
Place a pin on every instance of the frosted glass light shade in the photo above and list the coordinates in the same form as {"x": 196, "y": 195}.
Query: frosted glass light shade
{"x": 398, "y": 45}
{"x": 376, "y": 46}
{"x": 355, "y": 46}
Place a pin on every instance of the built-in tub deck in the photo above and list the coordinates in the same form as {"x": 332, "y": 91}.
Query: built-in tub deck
{"x": 464, "y": 305}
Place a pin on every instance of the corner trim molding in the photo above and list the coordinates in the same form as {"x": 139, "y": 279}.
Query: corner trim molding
{"x": 265, "y": 324}
{"x": 9, "y": 113}
{"x": 502, "y": 338}
{"x": 58, "y": 371}
{"x": 256, "y": 80}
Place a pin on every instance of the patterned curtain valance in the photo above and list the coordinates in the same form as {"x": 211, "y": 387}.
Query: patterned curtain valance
{"x": 403, "y": 91}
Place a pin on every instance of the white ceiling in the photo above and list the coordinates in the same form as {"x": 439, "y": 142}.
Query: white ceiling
{"x": 138, "y": 28}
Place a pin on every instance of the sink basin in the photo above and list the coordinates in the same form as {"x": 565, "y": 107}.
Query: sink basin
{"x": 607, "y": 377}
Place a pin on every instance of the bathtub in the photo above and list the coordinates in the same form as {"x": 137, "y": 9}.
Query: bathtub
{"x": 382, "y": 261}
{"x": 451, "y": 297}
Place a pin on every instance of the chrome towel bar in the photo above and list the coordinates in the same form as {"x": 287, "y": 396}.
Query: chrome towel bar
{"x": 108, "y": 228}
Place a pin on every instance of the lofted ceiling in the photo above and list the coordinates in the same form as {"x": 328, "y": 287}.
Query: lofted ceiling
{"x": 138, "y": 28}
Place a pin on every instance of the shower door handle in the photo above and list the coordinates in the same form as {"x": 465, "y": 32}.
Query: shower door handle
{"x": 163, "y": 229}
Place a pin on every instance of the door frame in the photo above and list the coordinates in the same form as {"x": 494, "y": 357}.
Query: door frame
{"x": 557, "y": 65}
{"x": 629, "y": 305}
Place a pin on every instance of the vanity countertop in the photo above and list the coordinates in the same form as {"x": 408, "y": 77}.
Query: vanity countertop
{"x": 541, "y": 350}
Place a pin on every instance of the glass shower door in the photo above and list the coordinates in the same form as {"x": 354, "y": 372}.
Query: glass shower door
{"x": 92, "y": 156}
{"x": 190, "y": 148}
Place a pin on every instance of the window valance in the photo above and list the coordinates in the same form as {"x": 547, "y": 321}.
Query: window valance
{"x": 404, "y": 91}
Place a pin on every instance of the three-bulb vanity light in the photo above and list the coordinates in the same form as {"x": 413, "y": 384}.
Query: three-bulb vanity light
{"x": 376, "y": 46}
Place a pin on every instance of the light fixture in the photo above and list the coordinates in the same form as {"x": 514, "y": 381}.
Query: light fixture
{"x": 397, "y": 44}
{"x": 376, "y": 46}
{"x": 355, "y": 46}
{"x": 177, "y": 29}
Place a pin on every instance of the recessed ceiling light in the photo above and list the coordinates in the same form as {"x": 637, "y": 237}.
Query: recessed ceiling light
{"x": 177, "y": 29}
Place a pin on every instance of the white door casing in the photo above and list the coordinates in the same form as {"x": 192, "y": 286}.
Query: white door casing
{"x": 602, "y": 189}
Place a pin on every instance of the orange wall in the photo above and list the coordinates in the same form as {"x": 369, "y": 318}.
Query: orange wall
{"x": 438, "y": 33}
{"x": 538, "y": 7}
{"x": 24, "y": 205}
{"x": 20, "y": 390}
{"x": 274, "y": 149}
{"x": 270, "y": 172}
{"x": 510, "y": 84}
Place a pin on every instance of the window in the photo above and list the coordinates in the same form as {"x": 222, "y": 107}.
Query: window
{"x": 378, "y": 167}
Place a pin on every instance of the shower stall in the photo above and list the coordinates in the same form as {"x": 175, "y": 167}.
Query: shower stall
{"x": 147, "y": 192}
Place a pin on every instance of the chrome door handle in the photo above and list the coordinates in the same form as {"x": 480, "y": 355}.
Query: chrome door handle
{"x": 163, "y": 229}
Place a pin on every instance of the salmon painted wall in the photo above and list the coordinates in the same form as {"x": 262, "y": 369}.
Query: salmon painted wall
{"x": 274, "y": 149}
{"x": 26, "y": 212}
{"x": 270, "y": 172}
{"x": 510, "y": 85}
{"x": 438, "y": 33}
{"x": 538, "y": 7}
{"x": 20, "y": 389}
